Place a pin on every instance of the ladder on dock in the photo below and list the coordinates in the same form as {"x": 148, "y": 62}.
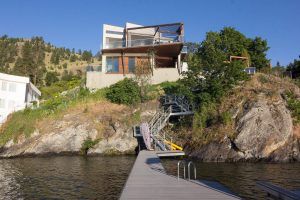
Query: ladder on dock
{"x": 171, "y": 105}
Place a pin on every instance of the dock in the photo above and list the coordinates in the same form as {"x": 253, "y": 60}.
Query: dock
{"x": 149, "y": 180}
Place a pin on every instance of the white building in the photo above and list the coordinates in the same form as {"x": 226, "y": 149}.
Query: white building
{"x": 16, "y": 93}
{"x": 123, "y": 48}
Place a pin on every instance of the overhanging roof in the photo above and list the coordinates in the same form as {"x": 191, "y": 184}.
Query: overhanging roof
{"x": 167, "y": 50}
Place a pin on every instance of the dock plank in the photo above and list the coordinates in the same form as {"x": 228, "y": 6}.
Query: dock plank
{"x": 148, "y": 180}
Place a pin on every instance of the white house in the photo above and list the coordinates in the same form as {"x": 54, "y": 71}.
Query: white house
{"x": 123, "y": 48}
{"x": 16, "y": 93}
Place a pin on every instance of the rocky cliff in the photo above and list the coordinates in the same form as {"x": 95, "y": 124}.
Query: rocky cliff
{"x": 108, "y": 126}
{"x": 263, "y": 127}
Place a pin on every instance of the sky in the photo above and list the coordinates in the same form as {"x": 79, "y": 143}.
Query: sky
{"x": 78, "y": 24}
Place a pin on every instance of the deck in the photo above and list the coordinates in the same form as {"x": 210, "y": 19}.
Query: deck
{"x": 148, "y": 180}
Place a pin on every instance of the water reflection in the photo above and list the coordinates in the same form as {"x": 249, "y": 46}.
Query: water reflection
{"x": 241, "y": 177}
{"x": 64, "y": 177}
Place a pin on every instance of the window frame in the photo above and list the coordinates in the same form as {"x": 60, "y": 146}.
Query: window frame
{"x": 114, "y": 68}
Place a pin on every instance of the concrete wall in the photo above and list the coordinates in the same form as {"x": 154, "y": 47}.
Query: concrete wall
{"x": 97, "y": 80}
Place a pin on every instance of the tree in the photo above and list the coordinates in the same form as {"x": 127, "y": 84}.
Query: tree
{"x": 31, "y": 63}
{"x": 51, "y": 77}
{"x": 258, "y": 50}
{"x": 294, "y": 68}
{"x": 219, "y": 46}
{"x": 143, "y": 73}
{"x": 87, "y": 56}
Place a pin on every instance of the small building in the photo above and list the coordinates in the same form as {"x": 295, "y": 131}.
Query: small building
{"x": 124, "y": 48}
{"x": 16, "y": 93}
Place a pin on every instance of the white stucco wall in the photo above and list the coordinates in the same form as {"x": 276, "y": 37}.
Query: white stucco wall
{"x": 13, "y": 91}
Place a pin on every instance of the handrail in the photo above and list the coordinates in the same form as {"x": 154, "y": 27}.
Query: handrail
{"x": 189, "y": 172}
{"x": 178, "y": 170}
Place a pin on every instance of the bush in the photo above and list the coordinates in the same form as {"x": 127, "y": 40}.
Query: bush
{"x": 124, "y": 92}
{"x": 294, "y": 106}
{"x": 87, "y": 144}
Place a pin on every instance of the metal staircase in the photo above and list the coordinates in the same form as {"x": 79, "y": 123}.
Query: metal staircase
{"x": 171, "y": 105}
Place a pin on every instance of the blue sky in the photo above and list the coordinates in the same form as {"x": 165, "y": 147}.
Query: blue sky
{"x": 78, "y": 24}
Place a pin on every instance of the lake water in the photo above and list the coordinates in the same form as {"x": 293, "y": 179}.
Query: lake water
{"x": 75, "y": 177}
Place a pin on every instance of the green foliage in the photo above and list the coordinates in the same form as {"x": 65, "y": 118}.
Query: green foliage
{"x": 67, "y": 75}
{"x": 126, "y": 92}
{"x": 54, "y": 89}
{"x": 21, "y": 123}
{"x": 87, "y": 56}
{"x": 225, "y": 118}
{"x": 65, "y": 65}
{"x": 8, "y": 51}
{"x": 87, "y": 144}
{"x": 219, "y": 46}
{"x": 51, "y": 77}
{"x": 294, "y": 68}
{"x": 294, "y": 106}
{"x": 31, "y": 63}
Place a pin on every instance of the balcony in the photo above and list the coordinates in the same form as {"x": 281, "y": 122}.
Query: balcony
{"x": 149, "y": 36}
{"x": 142, "y": 42}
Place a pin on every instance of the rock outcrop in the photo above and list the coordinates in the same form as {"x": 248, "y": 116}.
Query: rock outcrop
{"x": 108, "y": 124}
{"x": 263, "y": 125}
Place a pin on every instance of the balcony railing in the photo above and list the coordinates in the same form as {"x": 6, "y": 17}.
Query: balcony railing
{"x": 143, "y": 42}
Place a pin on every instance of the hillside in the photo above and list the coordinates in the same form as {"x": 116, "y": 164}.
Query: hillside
{"x": 43, "y": 62}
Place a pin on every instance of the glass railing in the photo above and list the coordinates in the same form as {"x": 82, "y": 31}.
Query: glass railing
{"x": 142, "y": 42}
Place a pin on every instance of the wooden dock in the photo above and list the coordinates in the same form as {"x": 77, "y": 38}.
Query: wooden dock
{"x": 148, "y": 180}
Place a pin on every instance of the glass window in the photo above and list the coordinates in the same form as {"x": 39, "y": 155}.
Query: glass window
{"x": 2, "y": 103}
{"x": 131, "y": 64}
{"x": 4, "y": 86}
{"x": 12, "y": 87}
{"x": 112, "y": 64}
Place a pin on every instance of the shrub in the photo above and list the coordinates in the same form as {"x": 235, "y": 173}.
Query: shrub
{"x": 87, "y": 144}
{"x": 225, "y": 118}
{"x": 124, "y": 92}
{"x": 294, "y": 106}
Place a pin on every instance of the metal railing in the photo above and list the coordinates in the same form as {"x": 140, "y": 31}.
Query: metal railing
{"x": 178, "y": 168}
{"x": 189, "y": 169}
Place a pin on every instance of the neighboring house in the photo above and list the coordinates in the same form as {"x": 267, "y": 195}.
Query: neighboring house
{"x": 125, "y": 48}
{"x": 16, "y": 93}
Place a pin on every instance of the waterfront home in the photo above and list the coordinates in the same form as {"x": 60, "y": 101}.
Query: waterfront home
{"x": 125, "y": 48}
{"x": 16, "y": 93}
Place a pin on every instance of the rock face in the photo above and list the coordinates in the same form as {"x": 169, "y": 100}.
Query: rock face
{"x": 264, "y": 132}
{"x": 69, "y": 141}
{"x": 108, "y": 125}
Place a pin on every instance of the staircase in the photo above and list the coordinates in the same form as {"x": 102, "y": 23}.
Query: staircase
{"x": 171, "y": 105}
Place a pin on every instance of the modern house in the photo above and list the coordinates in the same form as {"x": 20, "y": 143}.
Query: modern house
{"x": 126, "y": 48}
{"x": 16, "y": 93}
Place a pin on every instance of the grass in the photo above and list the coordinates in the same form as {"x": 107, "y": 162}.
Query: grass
{"x": 55, "y": 105}
{"x": 24, "y": 122}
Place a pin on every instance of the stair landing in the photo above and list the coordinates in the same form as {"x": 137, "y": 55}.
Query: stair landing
{"x": 169, "y": 153}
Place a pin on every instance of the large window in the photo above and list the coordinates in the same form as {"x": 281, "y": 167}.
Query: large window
{"x": 112, "y": 64}
{"x": 4, "y": 86}
{"x": 2, "y": 103}
{"x": 131, "y": 64}
{"x": 12, "y": 87}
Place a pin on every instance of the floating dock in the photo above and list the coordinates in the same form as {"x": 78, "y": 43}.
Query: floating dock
{"x": 148, "y": 180}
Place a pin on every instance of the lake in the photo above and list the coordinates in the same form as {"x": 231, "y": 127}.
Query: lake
{"x": 75, "y": 177}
